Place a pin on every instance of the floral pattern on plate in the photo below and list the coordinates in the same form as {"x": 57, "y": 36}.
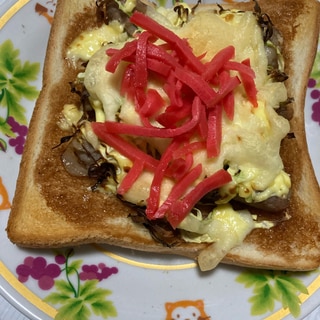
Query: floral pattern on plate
{"x": 76, "y": 293}
{"x": 314, "y": 87}
{"x": 15, "y": 76}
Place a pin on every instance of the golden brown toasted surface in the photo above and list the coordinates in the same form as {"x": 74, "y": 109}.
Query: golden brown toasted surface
{"x": 52, "y": 208}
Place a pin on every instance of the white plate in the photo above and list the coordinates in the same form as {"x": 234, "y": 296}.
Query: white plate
{"x": 134, "y": 285}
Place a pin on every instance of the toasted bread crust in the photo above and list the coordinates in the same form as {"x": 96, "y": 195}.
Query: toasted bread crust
{"x": 53, "y": 209}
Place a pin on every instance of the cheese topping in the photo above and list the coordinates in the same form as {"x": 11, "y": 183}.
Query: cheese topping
{"x": 90, "y": 41}
{"x": 250, "y": 142}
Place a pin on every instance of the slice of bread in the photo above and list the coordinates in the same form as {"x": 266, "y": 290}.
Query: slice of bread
{"x": 53, "y": 209}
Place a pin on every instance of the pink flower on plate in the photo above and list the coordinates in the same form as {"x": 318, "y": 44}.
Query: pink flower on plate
{"x": 77, "y": 284}
{"x": 99, "y": 272}
{"x": 38, "y": 269}
{"x": 315, "y": 96}
{"x": 21, "y": 132}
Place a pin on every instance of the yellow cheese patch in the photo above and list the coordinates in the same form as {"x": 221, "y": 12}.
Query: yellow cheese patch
{"x": 89, "y": 42}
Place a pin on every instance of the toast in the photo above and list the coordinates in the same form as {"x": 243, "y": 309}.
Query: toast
{"x": 54, "y": 209}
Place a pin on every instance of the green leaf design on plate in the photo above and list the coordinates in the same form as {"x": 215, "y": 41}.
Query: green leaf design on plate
{"x": 315, "y": 73}
{"x": 87, "y": 290}
{"x": 3, "y": 145}
{"x": 74, "y": 266}
{"x": 271, "y": 286}
{"x": 56, "y": 298}
{"x": 80, "y": 299}
{"x": 90, "y": 299}
{"x": 64, "y": 287}
{"x": 14, "y": 85}
{"x": 104, "y": 308}
{"x": 75, "y": 309}
{"x": 263, "y": 299}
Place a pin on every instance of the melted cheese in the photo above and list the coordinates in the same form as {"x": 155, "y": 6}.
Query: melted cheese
{"x": 90, "y": 41}
{"x": 104, "y": 86}
{"x": 210, "y": 33}
{"x": 250, "y": 143}
{"x": 222, "y": 221}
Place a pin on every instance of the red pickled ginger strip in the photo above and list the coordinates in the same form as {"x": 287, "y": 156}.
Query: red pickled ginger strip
{"x": 217, "y": 62}
{"x": 214, "y": 131}
{"x": 155, "y": 188}
{"x": 122, "y": 146}
{"x": 170, "y": 37}
{"x": 200, "y": 87}
{"x": 180, "y": 209}
{"x": 180, "y": 167}
{"x": 131, "y": 177}
{"x": 249, "y": 84}
{"x": 127, "y": 51}
{"x": 136, "y": 130}
{"x": 178, "y": 190}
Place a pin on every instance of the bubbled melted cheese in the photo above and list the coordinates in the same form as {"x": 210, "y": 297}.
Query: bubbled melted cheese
{"x": 90, "y": 41}
{"x": 252, "y": 139}
{"x": 250, "y": 143}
